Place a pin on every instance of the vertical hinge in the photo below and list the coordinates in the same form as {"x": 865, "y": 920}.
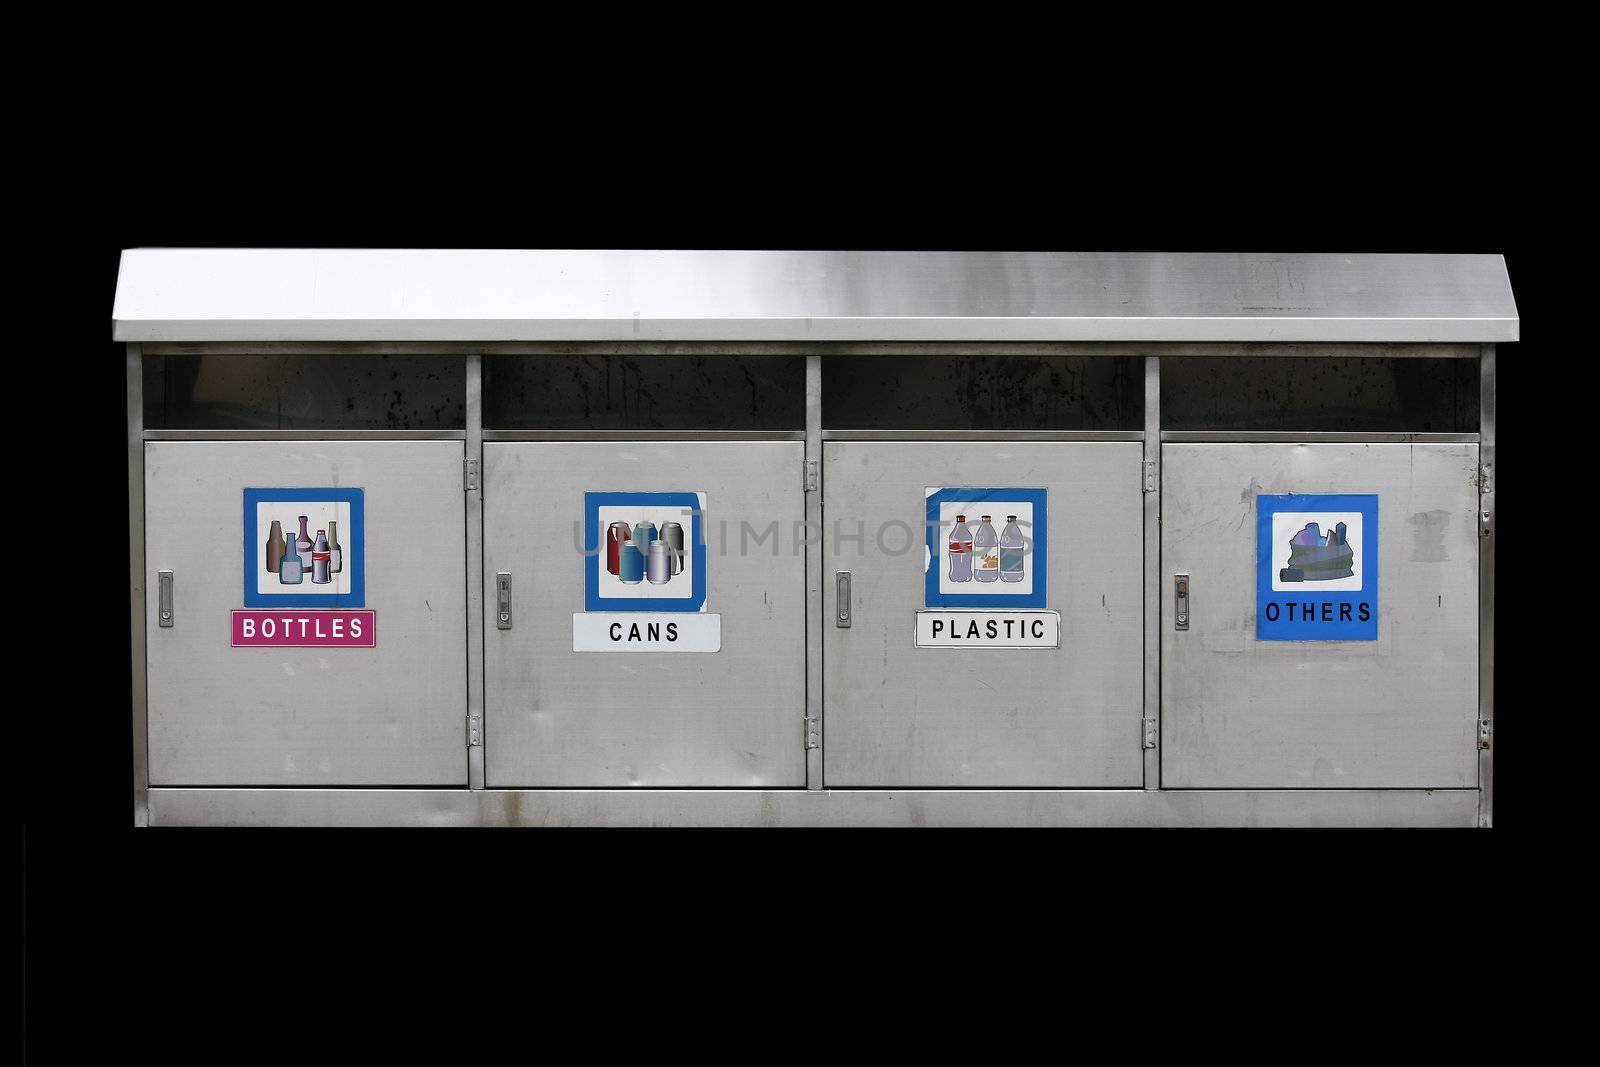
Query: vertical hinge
{"x": 1149, "y": 475}
{"x": 474, "y": 731}
{"x": 813, "y": 733}
{"x": 1149, "y": 733}
{"x": 1486, "y": 479}
{"x": 1485, "y": 730}
{"x": 811, "y": 476}
{"x": 469, "y": 475}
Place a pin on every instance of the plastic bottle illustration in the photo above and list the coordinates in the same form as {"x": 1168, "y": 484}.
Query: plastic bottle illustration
{"x": 321, "y": 560}
{"x": 660, "y": 563}
{"x": 274, "y": 546}
{"x": 336, "y": 563}
{"x": 1011, "y": 551}
{"x": 290, "y": 570}
{"x": 986, "y": 553}
{"x": 961, "y": 551}
{"x": 303, "y": 543}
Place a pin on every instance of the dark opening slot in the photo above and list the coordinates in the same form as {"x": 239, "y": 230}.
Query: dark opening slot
{"x": 300, "y": 392}
{"x": 645, "y": 392}
{"x": 1319, "y": 393}
{"x": 983, "y": 392}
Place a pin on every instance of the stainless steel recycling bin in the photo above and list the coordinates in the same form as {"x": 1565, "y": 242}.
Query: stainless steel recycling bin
{"x": 940, "y": 538}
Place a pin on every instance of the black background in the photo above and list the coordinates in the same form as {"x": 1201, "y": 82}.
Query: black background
{"x": 117, "y": 916}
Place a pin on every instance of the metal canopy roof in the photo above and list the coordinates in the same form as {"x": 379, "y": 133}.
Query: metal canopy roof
{"x": 586, "y": 295}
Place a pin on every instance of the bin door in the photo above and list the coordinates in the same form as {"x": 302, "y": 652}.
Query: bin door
{"x": 679, "y": 667}
{"x": 908, "y": 706}
{"x": 1332, "y": 623}
{"x": 360, "y": 679}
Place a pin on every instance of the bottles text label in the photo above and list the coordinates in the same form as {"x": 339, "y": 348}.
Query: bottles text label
{"x": 293, "y": 628}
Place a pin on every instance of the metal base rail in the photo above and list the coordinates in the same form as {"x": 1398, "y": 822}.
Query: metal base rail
{"x": 802, "y": 807}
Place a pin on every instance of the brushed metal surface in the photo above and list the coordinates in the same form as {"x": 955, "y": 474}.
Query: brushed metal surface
{"x": 1398, "y": 712}
{"x": 1380, "y": 350}
{"x": 901, "y": 716}
{"x": 389, "y": 715}
{"x": 815, "y": 741}
{"x": 473, "y": 454}
{"x": 1152, "y": 570}
{"x": 731, "y": 718}
{"x": 1486, "y": 504}
{"x": 800, "y": 807}
{"x": 392, "y": 295}
{"x": 137, "y": 586}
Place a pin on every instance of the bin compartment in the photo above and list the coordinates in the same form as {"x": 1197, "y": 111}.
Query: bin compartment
{"x": 1018, "y": 713}
{"x": 1332, "y": 635}
{"x": 622, "y": 666}
{"x": 354, "y": 674}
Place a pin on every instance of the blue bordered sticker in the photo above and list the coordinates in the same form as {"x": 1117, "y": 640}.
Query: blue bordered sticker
{"x": 617, "y": 575}
{"x": 1019, "y": 573}
{"x": 339, "y": 513}
{"x": 1317, "y": 567}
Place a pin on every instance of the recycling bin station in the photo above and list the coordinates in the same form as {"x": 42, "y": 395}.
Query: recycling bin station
{"x": 505, "y": 538}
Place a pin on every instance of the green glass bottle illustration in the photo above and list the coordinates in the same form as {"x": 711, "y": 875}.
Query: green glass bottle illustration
{"x": 336, "y": 550}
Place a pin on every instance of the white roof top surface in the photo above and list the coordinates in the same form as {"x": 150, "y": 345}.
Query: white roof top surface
{"x": 235, "y": 294}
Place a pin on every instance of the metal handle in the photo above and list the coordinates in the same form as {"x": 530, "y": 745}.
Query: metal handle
{"x": 1180, "y": 601}
{"x": 502, "y": 601}
{"x": 164, "y": 599}
{"x": 841, "y": 616}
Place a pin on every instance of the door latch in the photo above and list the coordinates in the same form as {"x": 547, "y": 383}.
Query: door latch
{"x": 164, "y": 599}
{"x": 502, "y": 601}
{"x": 1180, "y": 601}
{"x": 841, "y": 617}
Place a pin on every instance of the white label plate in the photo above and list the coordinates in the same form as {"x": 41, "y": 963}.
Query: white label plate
{"x": 987, "y": 628}
{"x": 646, "y": 631}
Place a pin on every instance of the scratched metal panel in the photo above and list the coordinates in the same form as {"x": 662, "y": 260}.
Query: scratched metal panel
{"x": 558, "y": 718}
{"x": 1398, "y": 712}
{"x": 393, "y": 714}
{"x": 895, "y": 715}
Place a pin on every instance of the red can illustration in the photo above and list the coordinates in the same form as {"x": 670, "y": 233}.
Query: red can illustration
{"x": 616, "y": 534}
